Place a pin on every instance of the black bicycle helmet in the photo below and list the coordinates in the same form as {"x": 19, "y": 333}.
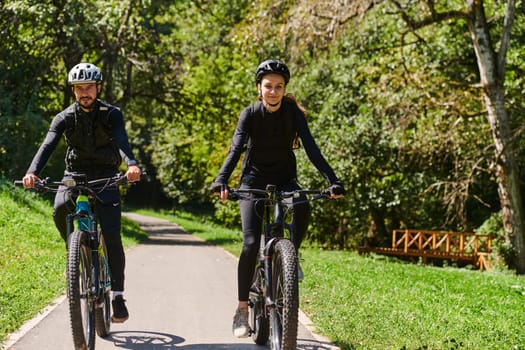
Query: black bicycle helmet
{"x": 272, "y": 66}
{"x": 84, "y": 73}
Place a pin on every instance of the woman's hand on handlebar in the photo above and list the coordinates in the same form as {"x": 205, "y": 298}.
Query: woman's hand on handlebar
{"x": 221, "y": 189}
{"x": 29, "y": 180}
{"x": 133, "y": 173}
{"x": 336, "y": 190}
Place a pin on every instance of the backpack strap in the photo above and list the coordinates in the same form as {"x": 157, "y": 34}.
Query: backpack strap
{"x": 103, "y": 114}
{"x": 69, "y": 117}
{"x": 104, "y": 111}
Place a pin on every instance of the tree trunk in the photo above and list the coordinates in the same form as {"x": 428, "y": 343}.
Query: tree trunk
{"x": 509, "y": 187}
{"x": 492, "y": 72}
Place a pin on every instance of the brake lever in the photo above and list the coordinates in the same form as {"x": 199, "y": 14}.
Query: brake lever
{"x": 323, "y": 194}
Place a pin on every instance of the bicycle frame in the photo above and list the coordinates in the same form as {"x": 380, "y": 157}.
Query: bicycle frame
{"x": 274, "y": 226}
{"x": 86, "y": 220}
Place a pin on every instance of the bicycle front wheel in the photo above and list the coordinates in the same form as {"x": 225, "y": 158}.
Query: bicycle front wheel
{"x": 103, "y": 307}
{"x": 79, "y": 285}
{"x": 285, "y": 287}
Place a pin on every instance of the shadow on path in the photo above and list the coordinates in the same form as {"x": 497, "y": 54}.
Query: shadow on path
{"x": 144, "y": 340}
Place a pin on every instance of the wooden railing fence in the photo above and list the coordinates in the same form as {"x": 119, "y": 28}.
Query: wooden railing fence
{"x": 465, "y": 247}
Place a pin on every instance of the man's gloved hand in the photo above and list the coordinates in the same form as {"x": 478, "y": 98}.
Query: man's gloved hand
{"x": 29, "y": 180}
{"x": 133, "y": 173}
{"x": 336, "y": 190}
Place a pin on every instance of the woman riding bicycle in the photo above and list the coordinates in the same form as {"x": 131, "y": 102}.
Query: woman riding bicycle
{"x": 95, "y": 137}
{"x": 267, "y": 131}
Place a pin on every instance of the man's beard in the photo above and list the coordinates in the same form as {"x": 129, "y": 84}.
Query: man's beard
{"x": 87, "y": 103}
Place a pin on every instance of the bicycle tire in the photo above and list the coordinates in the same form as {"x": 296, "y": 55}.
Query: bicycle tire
{"x": 103, "y": 307}
{"x": 285, "y": 287}
{"x": 259, "y": 324}
{"x": 79, "y": 270}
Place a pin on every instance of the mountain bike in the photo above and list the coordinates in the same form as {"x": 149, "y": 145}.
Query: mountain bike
{"x": 87, "y": 273}
{"x": 274, "y": 295}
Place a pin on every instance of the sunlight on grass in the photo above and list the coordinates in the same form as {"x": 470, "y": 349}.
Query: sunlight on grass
{"x": 360, "y": 302}
{"x": 369, "y": 303}
{"x": 32, "y": 258}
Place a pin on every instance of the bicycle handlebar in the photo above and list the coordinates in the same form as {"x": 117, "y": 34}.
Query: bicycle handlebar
{"x": 271, "y": 193}
{"x": 77, "y": 182}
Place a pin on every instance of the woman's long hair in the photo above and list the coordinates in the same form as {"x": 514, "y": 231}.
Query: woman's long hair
{"x": 290, "y": 97}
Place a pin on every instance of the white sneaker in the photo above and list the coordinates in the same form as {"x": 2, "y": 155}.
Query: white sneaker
{"x": 300, "y": 273}
{"x": 240, "y": 327}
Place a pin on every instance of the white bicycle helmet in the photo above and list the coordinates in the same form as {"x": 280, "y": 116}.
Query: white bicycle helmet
{"x": 84, "y": 73}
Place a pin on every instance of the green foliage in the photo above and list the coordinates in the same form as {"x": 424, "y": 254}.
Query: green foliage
{"x": 407, "y": 148}
{"x": 504, "y": 254}
{"x": 212, "y": 93}
{"x": 397, "y": 112}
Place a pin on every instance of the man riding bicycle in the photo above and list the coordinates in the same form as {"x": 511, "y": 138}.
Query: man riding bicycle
{"x": 96, "y": 144}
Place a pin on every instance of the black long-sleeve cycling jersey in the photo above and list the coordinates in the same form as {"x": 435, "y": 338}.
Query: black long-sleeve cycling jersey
{"x": 96, "y": 140}
{"x": 268, "y": 141}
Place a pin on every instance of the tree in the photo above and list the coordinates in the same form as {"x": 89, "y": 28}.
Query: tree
{"x": 397, "y": 97}
{"x": 492, "y": 65}
{"x": 491, "y": 61}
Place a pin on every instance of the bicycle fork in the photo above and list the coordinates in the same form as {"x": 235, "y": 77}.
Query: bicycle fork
{"x": 94, "y": 289}
{"x": 86, "y": 222}
{"x": 268, "y": 252}
{"x": 276, "y": 230}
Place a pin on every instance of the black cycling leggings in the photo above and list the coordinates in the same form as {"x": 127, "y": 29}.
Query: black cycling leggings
{"x": 251, "y": 215}
{"x": 109, "y": 216}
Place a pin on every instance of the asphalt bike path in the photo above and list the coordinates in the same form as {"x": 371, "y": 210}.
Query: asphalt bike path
{"x": 181, "y": 294}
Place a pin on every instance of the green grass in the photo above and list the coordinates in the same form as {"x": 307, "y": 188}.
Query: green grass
{"x": 360, "y": 302}
{"x": 33, "y": 256}
{"x": 375, "y": 302}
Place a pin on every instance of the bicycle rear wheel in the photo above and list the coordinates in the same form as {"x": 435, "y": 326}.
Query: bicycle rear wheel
{"x": 285, "y": 287}
{"x": 103, "y": 307}
{"x": 79, "y": 284}
{"x": 258, "y": 316}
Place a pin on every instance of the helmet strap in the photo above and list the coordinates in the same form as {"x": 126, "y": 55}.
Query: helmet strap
{"x": 272, "y": 107}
